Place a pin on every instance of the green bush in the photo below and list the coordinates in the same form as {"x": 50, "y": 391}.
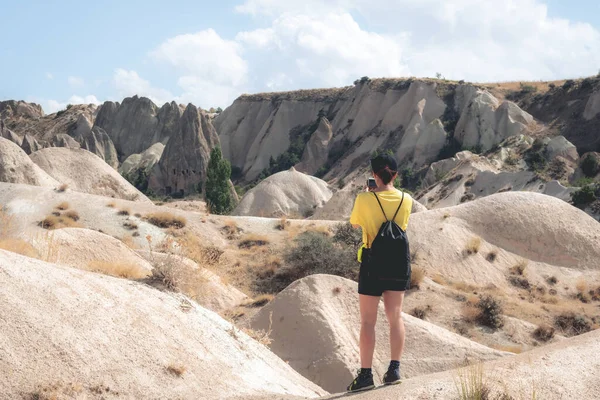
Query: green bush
{"x": 346, "y": 234}
{"x": 218, "y": 195}
{"x": 590, "y": 166}
{"x": 584, "y": 196}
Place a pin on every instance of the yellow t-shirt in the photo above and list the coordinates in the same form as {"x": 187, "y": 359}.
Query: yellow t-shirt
{"x": 368, "y": 214}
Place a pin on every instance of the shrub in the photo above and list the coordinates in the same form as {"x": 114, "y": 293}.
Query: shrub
{"x": 176, "y": 369}
{"x": 282, "y": 224}
{"x": 519, "y": 268}
{"x": 218, "y": 195}
{"x": 252, "y": 240}
{"x": 124, "y": 211}
{"x": 132, "y": 226}
{"x": 62, "y": 206}
{"x": 590, "y": 166}
{"x": 111, "y": 204}
{"x": 492, "y": 255}
{"x": 313, "y": 253}
{"x": 584, "y": 196}
{"x": 164, "y": 219}
{"x": 473, "y": 246}
{"x": 72, "y": 214}
{"x": 345, "y": 233}
{"x": 572, "y": 324}
{"x": 520, "y": 282}
{"x": 19, "y": 246}
{"x": 231, "y": 230}
{"x": 490, "y": 312}
{"x": 552, "y": 280}
{"x": 420, "y": 312}
{"x": 259, "y": 301}
{"x": 416, "y": 277}
{"x": 569, "y": 83}
{"x": 544, "y": 333}
{"x": 62, "y": 188}
{"x": 54, "y": 222}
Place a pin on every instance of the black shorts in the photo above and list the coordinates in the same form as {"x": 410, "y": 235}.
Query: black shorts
{"x": 370, "y": 285}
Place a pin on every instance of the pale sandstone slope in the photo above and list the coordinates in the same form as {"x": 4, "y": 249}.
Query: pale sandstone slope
{"x": 17, "y": 167}
{"x": 315, "y": 327}
{"x": 69, "y": 327}
{"x": 85, "y": 172}
{"x": 290, "y": 193}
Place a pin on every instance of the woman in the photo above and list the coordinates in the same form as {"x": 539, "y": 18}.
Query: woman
{"x": 368, "y": 213}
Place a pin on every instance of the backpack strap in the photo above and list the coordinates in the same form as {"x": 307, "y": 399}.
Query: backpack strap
{"x": 380, "y": 206}
{"x": 401, "y": 201}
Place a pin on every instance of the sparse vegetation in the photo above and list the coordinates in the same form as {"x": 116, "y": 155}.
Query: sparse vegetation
{"x": 231, "y": 230}
{"x": 164, "y": 219}
{"x": 176, "y": 369}
{"x": 492, "y": 255}
{"x": 490, "y": 312}
{"x": 132, "y": 226}
{"x": 519, "y": 282}
{"x": 519, "y": 268}
{"x": 124, "y": 211}
{"x": 62, "y": 188}
{"x": 586, "y": 195}
{"x": 473, "y": 246}
{"x": 552, "y": 280}
{"x": 346, "y": 234}
{"x": 54, "y": 222}
{"x": 337, "y": 290}
{"x": 112, "y": 204}
{"x": 282, "y": 224}
{"x": 72, "y": 214}
{"x": 19, "y": 246}
{"x": 416, "y": 277}
{"x": 572, "y": 324}
{"x": 259, "y": 301}
{"x": 420, "y": 312}
{"x": 252, "y": 240}
{"x": 544, "y": 333}
{"x": 118, "y": 269}
{"x": 62, "y": 206}
{"x": 590, "y": 166}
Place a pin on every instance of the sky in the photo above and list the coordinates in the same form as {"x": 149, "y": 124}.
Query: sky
{"x": 208, "y": 53}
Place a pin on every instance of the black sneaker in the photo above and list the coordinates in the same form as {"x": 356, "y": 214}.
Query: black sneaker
{"x": 392, "y": 377}
{"x": 361, "y": 383}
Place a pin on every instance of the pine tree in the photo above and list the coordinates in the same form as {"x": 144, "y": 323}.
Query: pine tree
{"x": 218, "y": 195}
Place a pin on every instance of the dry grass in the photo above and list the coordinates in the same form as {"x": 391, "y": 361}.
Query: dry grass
{"x": 420, "y": 312}
{"x": 463, "y": 287}
{"x": 581, "y": 285}
{"x": 416, "y": 277}
{"x": 54, "y": 222}
{"x": 72, "y": 214}
{"x": 519, "y": 268}
{"x": 132, "y": 226}
{"x": 164, "y": 219}
{"x": 261, "y": 336}
{"x": 138, "y": 215}
{"x": 544, "y": 333}
{"x": 124, "y": 211}
{"x": 62, "y": 188}
{"x": 282, "y": 224}
{"x": 192, "y": 247}
{"x": 515, "y": 349}
{"x": 231, "y": 230}
{"x": 319, "y": 229}
{"x": 19, "y": 246}
{"x": 253, "y": 240}
{"x": 446, "y": 215}
{"x": 112, "y": 204}
{"x": 118, "y": 269}
{"x": 473, "y": 246}
{"x": 439, "y": 279}
{"x": 129, "y": 242}
{"x": 176, "y": 369}
{"x": 62, "y": 206}
{"x": 56, "y": 391}
{"x": 259, "y": 301}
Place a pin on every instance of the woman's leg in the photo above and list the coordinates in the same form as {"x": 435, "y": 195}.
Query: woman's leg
{"x": 393, "y": 310}
{"x": 368, "y": 318}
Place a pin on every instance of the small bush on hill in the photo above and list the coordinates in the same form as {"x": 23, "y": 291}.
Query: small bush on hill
{"x": 416, "y": 278}
{"x": 519, "y": 268}
{"x": 590, "y": 166}
{"x": 62, "y": 188}
{"x": 569, "y": 83}
{"x": 62, "y": 206}
{"x": 473, "y": 246}
{"x": 572, "y": 324}
{"x": 72, "y": 214}
{"x": 164, "y": 219}
{"x": 54, "y": 222}
{"x": 118, "y": 269}
{"x": 124, "y": 211}
{"x": 585, "y": 196}
{"x": 490, "y": 312}
{"x": 348, "y": 235}
{"x": 252, "y": 240}
{"x": 544, "y": 333}
{"x": 420, "y": 312}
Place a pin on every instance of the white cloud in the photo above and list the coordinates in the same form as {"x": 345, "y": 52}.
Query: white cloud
{"x": 51, "y": 105}
{"x": 205, "y": 61}
{"x": 49, "y": 76}
{"x": 75, "y": 81}
{"x": 129, "y": 83}
{"x": 476, "y": 40}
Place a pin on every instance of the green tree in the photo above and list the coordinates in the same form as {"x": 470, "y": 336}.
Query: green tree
{"x": 218, "y": 195}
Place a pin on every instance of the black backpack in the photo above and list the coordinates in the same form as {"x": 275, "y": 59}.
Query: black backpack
{"x": 389, "y": 256}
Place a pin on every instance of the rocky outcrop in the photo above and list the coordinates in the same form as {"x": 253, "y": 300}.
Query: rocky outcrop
{"x": 144, "y": 161}
{"x": 20, "y": 109}
{"x": 137, "y": 123}
{"x": 85, "y": 172}
{"x": 17, "y": 167}
{"x": 317, "y": 149}
{"x": 10, "y": 135}
{"x": 288, "y": 193}
{"x": 64, "y": 140}
{"x": 561, "y": 147}
{"x": 415, "y": 119}
{"x": 30, "y": 144}
{"x": 95, "y": 140}
{"x": 182, "y": 166}
{"x": 485, "y": 122}
{"x": 592, "y": 107}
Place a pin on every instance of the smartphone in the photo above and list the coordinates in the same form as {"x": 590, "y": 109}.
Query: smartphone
{"x": 371, "y": 184}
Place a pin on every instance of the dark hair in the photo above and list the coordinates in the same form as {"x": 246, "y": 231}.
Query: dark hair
{"x": 385, "y": 167}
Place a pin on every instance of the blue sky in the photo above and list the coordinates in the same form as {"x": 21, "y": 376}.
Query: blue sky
{"x": 208, "y": 53}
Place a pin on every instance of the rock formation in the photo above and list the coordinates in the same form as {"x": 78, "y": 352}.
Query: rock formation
{"x": 64, "y": 140}
{"x": 10, "y": 135}
{"x": 137, "y": 123}
{"x": 17, "y": 167}
{"x": 182, "y": 166}
{"x": 289, "y": 193}
{"x": 30, "y": 144}
{"x": 144, "y": 161}
{"x": 317, "y": 149}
